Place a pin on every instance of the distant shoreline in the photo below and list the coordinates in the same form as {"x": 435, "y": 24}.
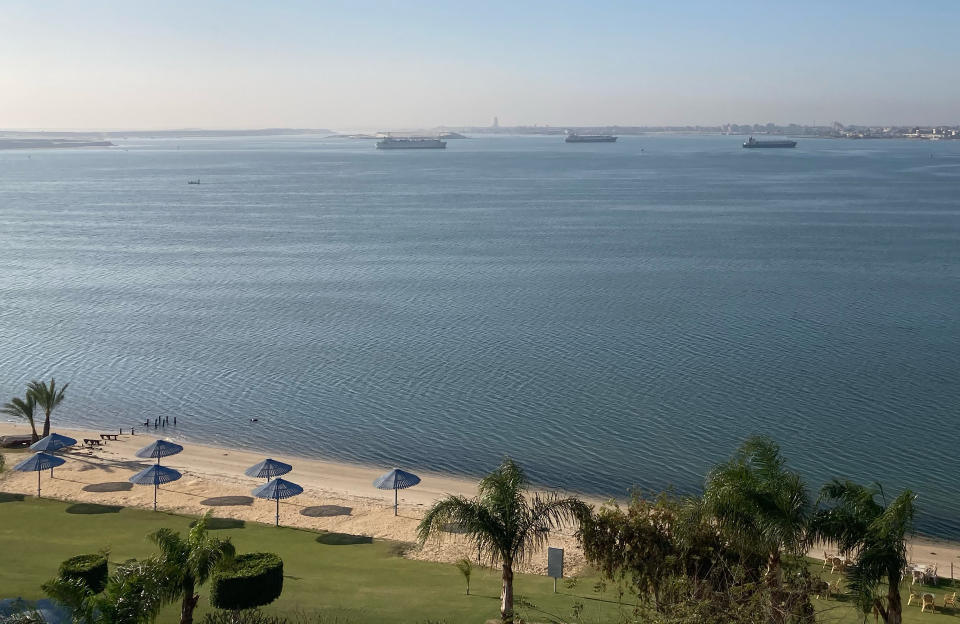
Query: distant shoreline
{"x": 25, "y": 144}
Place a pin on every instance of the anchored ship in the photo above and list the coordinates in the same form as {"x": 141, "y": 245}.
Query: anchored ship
{"x": 410, "y": 143}
{"x": 573, "y": 137}
{"x": 752, "y": 142}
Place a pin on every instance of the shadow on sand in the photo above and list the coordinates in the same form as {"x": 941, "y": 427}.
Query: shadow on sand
{"x": 109, "y": 486}
{"x": 227, "y": 501}
{"x": 325, "y": 511}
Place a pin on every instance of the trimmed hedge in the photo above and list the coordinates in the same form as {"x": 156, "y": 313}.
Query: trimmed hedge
{"x": 91, "y": 569}
{"x": 253, "y": 580}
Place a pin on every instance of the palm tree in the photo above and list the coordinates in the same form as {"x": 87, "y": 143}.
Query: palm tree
{"x": 23, "y": 408}
{"x": 47, "y": 397}
{"x": 133, "y": 595}
{"x": 504, "y": 521}
{"x": 874, "y": 535}
{"x": 762, "y": 507}
{"x": 188, "y": 563}
{"x": 464, "y": 565}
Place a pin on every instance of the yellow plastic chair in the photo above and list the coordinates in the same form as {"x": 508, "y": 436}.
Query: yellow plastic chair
{"x": 928, "y": 602}
{"x": 835, "y": 587}
{"x": 914, "y": 595}
{"x": 950, "y": 600}
{"x": 827, "y": 560}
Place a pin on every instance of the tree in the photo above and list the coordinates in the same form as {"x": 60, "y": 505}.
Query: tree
{"x": 504, "y": 522}
{"x": 761, "y": 506}
{"x": 188, "y": 563}
{"x": 466, "y": 569}
{"x": 874, "y": 534}
{"x": 668, "y": 550}
{"x": 47, "y": 397}
{"x": 23, "y": 409}
{"x": 133, "y": 595}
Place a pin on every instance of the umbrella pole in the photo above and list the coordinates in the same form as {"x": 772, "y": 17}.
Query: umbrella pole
{"x": 154, "y": 496}
{"x": 396, "y": 500}
{"x": 38, "y": 484}
{"x": 278, "y": 512}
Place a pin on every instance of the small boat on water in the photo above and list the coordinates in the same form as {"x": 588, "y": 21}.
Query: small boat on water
{"x": 752, "y": 142}
{"x": 197, "y": 181}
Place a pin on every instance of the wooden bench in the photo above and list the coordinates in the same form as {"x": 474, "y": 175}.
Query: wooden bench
{"x": 92, "y": 442}
{"x": 108, "y": 436}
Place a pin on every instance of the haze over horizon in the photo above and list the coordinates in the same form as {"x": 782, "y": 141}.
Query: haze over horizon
{"x": 376, "y": 64}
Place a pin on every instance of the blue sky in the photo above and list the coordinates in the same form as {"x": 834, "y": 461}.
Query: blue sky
{"x": 123, "y": 64}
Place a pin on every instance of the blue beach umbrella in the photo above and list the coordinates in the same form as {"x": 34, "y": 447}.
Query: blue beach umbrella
{"x": 275, "y": 490}
{"x": 267, "y": 469}
{"x": 38, "y": 463}
{"x": 396, "y": 480}
{"x": 158, "y": 449}
{"x": 156, "y": 476}
{"x": 52, "y": 443}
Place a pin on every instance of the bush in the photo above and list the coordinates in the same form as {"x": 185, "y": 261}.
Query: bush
{"x": 252, "y": 616}
{"x": 255, "y": 616}
{"x": 90, "y": 569}
{"x": 253, "y": 580}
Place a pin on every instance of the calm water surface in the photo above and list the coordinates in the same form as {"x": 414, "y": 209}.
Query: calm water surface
{"x": 612, "y": 315}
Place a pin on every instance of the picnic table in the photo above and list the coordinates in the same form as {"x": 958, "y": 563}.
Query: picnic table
{"x": 92, "y": 442}
{"x": 109, "y": 436}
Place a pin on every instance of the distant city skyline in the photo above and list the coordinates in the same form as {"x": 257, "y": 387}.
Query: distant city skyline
{"x": 367, "y": 65}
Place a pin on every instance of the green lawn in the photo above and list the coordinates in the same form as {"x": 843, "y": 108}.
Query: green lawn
{"x": 840, "y": 608}
{"x": 357, "y": 579}
{"x": 354, "y": 579}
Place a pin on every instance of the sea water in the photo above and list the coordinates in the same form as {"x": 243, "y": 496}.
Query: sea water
{"x": 610, "y": 315}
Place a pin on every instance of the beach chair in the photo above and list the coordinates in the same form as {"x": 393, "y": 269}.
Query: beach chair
{"x": 914, "y": 595}
{"x": 837, "y": 565}
{"x": 950, "y": 600}
{"x": 916, "y": 576}
{"x": 927, "y": 600}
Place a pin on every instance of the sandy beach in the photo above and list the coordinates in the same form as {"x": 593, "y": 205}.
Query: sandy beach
{"x": 338, "y": 497}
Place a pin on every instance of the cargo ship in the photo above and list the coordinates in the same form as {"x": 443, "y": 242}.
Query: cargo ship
{"x": 752, "y": 142}
{"x": 410, "y": 143}
{"x": 590, "y": 138}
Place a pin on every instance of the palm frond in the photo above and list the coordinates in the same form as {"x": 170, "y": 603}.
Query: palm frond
{"x": 49, "y": 396}
{"x": 543, "y": 515}
{"x": 23, "y": 409}
{"x": 75, "y": 594}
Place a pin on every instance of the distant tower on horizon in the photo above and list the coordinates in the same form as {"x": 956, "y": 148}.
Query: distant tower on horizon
{"x": 496, "y": 123}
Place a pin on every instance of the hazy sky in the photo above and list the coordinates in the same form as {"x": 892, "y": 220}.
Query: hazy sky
{"x": 378, "y": 64}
